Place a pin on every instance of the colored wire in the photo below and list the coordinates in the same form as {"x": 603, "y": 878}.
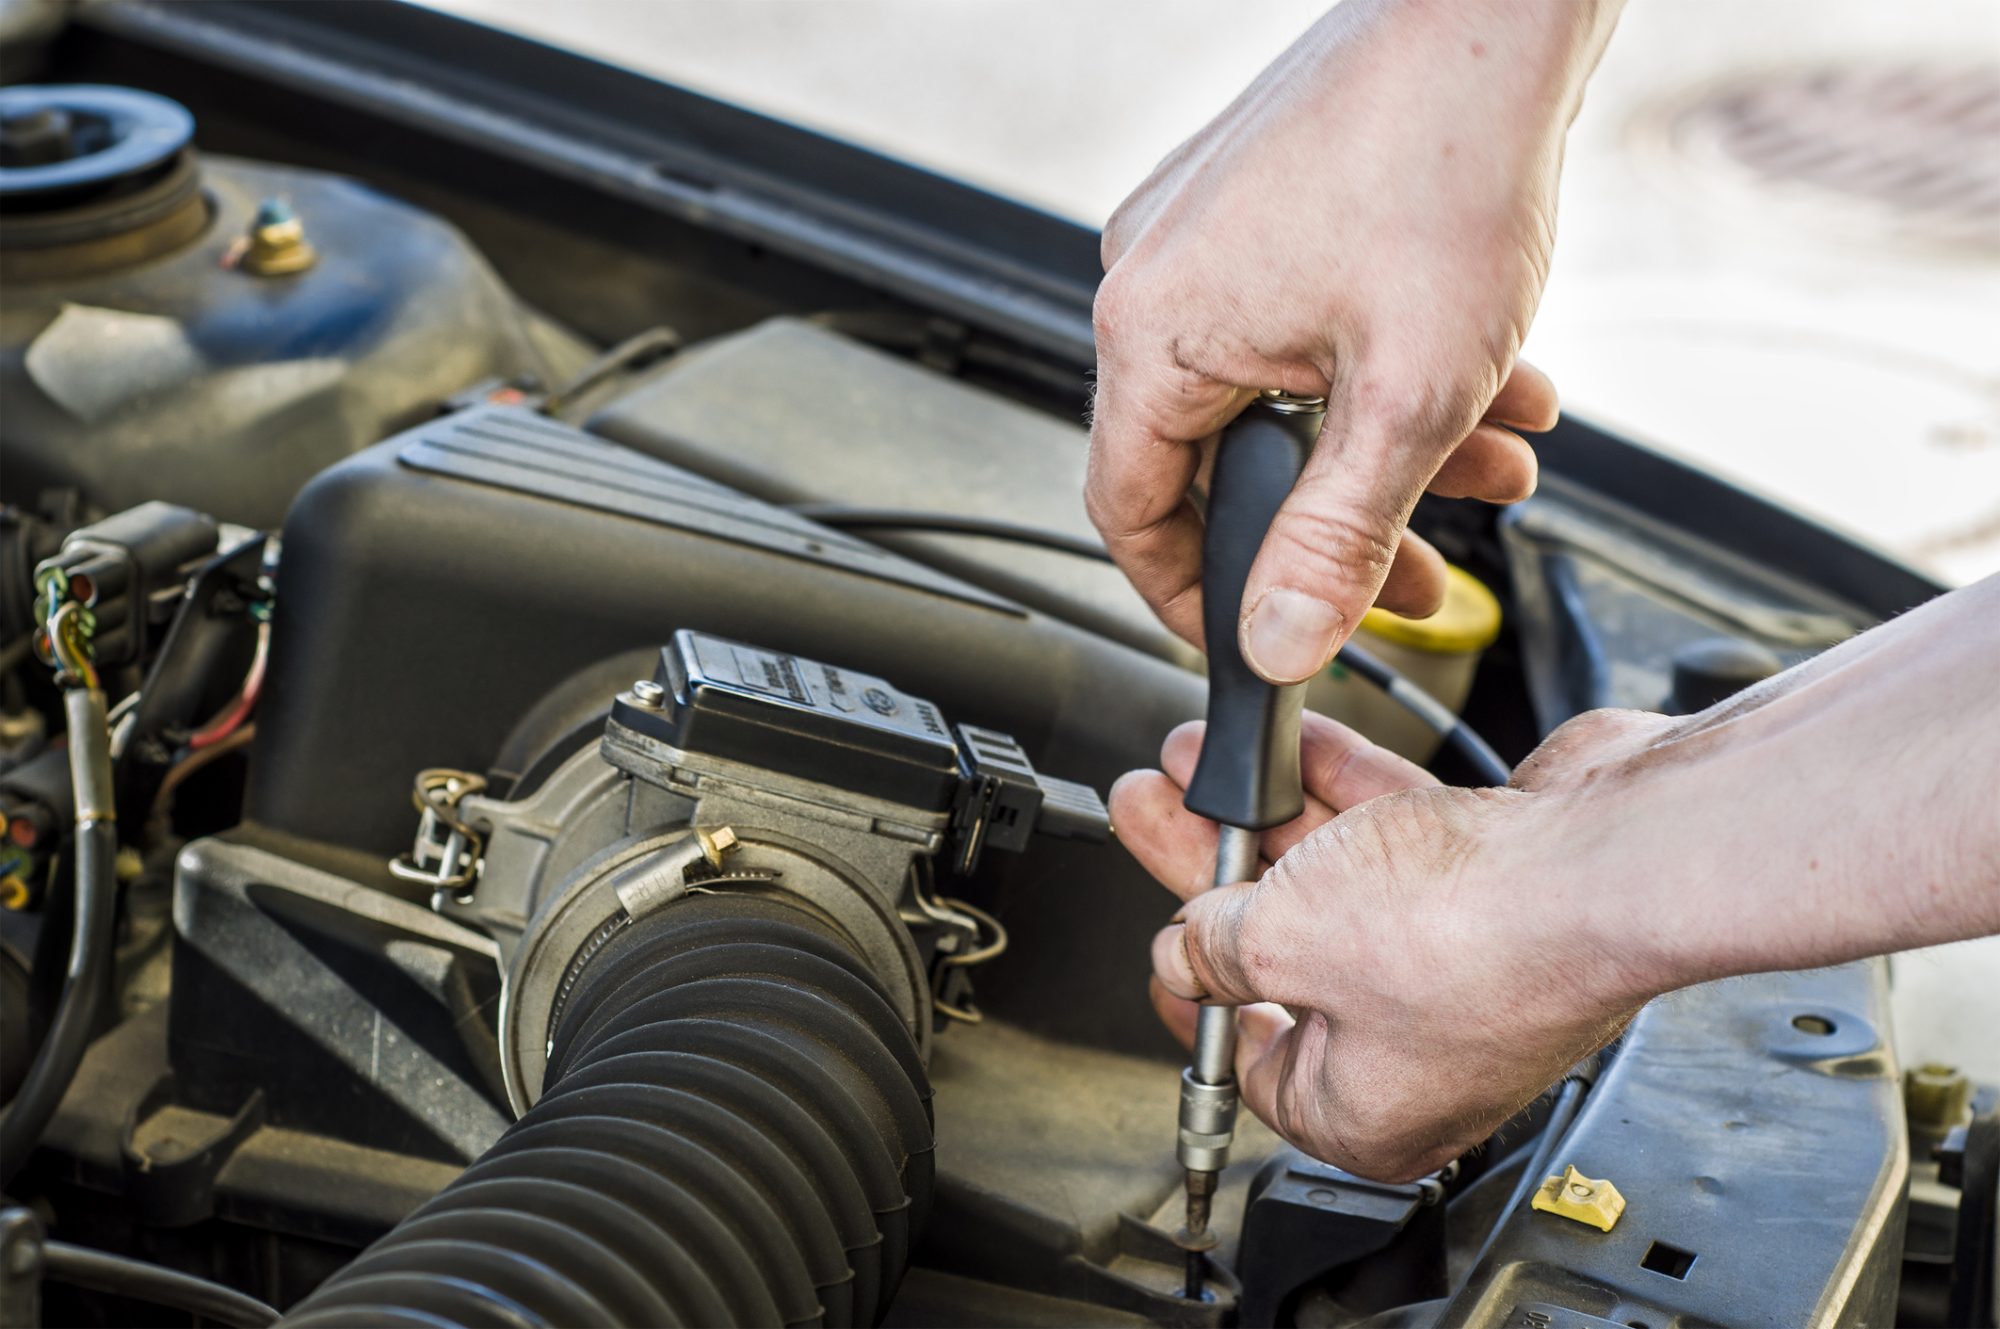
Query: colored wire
{"x": 68, "y": 643}
{"x": 231, "y": 717}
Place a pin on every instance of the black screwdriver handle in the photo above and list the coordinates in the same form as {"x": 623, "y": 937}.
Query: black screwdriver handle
{"x": 1248, "y": 774}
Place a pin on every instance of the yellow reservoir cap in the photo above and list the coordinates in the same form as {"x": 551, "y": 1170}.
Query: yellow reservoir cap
{"x": 1468, "y": 620}
{"x": 1591, "y": 1200}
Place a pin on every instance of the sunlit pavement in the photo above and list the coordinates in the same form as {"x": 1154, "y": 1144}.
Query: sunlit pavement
{"x": 1835, "y": 345}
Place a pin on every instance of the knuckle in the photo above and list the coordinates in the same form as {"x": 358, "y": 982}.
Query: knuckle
{"x": 1424, "y": 404}
{"x": 1214, "y": 943}
{"x": 1180, "y": 603}
{"x": 1203, "y": 945}
{"x": 1111, "y": 309}
{"x": 1348, "y": 547}
{"x": 1583, "y": 746}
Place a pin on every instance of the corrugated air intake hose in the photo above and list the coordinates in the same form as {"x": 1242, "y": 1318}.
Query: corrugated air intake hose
{"x": 735, "y": 1129}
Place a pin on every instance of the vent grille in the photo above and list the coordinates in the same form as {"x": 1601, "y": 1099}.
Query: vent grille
{"x": 1915, "y": 148}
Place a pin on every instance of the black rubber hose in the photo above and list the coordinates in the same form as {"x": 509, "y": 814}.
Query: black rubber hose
{"x": 91, "y": 936}
{"x": 1562, "y": 1112}
{"x": 735, "y": 1129}
{"x": 79, "y": 1266}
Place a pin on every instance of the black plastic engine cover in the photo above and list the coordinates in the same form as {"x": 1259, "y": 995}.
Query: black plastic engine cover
{"x": 434, "y": 587}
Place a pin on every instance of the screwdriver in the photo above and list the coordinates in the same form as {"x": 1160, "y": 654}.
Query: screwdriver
{"x": 1247, "y": 779}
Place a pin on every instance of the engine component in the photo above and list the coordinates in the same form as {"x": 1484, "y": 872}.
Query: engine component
{"x": 228, "y": 388}
{"x": 1682, "y": 1251}
{"x": 837, "y": 788}
{"x": 715, "y": 1017}
{"x": 882, "y": 432}
{"x": 496, "y": 534}
{"x": 127, "y": 571}
{"x": 1306, "y": 1219}
{"x": 93, "y": 178}
{"x": 734, "y": 1131}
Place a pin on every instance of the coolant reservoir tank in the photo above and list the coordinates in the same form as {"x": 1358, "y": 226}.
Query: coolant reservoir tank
{"x": 213, "y": 332}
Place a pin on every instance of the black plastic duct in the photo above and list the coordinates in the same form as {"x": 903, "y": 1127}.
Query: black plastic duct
{"x": 736, "y": 1129}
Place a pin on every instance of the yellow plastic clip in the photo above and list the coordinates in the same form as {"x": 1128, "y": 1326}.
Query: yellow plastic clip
{"x": 1584, "y": 1199}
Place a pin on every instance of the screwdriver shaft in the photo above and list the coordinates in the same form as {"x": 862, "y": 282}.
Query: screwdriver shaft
{"x": 1236, "y": 854}
{"x": 1211, "y": 1111}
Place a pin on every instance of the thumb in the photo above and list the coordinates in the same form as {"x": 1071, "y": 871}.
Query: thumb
{"x": 1200, "y": 955}
{"x": 1329, "y": 548}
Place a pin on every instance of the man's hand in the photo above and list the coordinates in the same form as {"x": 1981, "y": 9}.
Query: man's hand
{"x": 1420, "y": 962}
{"x": 1408, "y": 982}
{"x": 1370, "y": 221}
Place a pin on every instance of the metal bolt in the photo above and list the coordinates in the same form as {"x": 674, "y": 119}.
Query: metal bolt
{"x": 716, "y": 844}
{"x": 649, "y": 694}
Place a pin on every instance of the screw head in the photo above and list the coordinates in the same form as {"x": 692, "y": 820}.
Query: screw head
{"x": 649, "y": 694}
{"x": 716, "y": 845}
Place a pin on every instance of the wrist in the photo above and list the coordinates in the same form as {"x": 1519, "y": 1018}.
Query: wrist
{"x": 1624, "y": 913}
{"x": 1543, "y": 51}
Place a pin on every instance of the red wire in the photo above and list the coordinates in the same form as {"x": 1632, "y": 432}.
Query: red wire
{"x": 232, "y": 716}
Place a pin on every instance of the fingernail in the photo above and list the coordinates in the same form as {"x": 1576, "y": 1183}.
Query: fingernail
{"x": 1288, "y": 635}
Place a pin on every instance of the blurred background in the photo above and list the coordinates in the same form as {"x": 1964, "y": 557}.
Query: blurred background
{"x": 1779, "y": 252}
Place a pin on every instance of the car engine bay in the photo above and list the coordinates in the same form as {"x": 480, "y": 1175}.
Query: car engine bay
{"x": 552, "y": 767}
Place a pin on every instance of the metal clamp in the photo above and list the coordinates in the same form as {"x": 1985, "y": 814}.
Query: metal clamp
{"x": 445, "y": 855}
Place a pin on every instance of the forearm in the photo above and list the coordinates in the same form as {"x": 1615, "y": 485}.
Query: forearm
{"x": 1850, "y": 810}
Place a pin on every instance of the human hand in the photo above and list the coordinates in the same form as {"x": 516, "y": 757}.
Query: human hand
{"x": 1371, "y": 221}
{"x": 1419, "y": 962}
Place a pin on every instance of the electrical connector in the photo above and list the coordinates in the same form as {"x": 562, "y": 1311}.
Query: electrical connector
{"x": 124, "y": 574}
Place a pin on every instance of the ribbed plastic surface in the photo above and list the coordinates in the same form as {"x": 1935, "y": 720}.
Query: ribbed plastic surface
{"x": 736, "y": 1130}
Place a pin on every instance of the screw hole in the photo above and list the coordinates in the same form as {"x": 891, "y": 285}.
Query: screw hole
{"x": 1817, "y": 1025}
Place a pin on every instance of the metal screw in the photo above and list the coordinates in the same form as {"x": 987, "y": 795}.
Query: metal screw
{"x": 1579, "y": 1190}
{"x": 649, "y": 694}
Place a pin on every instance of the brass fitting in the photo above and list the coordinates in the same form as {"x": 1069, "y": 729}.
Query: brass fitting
{"x": 716, "y": 845}
{"x": 1935, "y": 1095}
{"x": 277, "y": 245}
